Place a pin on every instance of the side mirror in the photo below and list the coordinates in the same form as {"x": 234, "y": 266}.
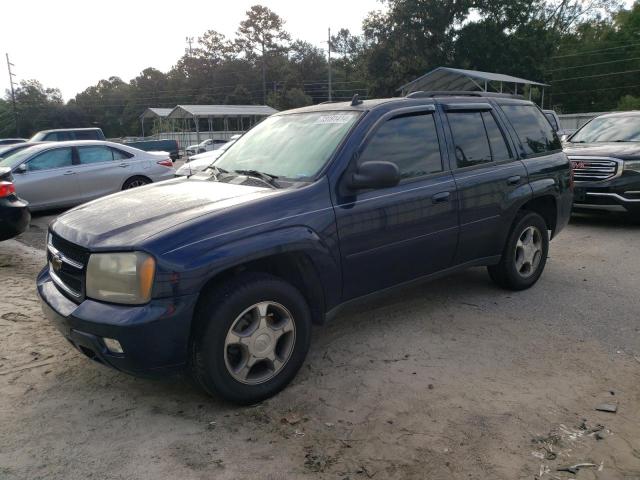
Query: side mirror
{"x": 374, "y": 174}
{"x": 22, "y": 168}
{"x": 564, "y": 138}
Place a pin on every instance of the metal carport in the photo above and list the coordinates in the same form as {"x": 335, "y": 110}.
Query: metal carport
{"x": 456, "y": 79}
{"x": 157, "y": 114}
{"x": 224, "y": 113}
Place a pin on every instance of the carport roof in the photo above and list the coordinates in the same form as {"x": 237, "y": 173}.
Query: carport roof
{"x": 195, "y": 111}
{"x": 456, "y": 79}
{"x": 156, "y": 113}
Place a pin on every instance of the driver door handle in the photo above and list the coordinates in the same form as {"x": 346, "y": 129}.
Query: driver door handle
{"x": 514, "y": 180}
{"x": 69, "y": 172}
{"x": 441, "y": 197}
{"x": 123, "y": 165}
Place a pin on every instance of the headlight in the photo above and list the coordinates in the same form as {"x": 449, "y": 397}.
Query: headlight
{"x": 120, "y": 277}
{"x": 633, "y": 165}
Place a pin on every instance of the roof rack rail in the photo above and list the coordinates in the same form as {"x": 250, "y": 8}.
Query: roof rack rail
{"x": 462, "y": 93}
{"x": 330, "y": 101}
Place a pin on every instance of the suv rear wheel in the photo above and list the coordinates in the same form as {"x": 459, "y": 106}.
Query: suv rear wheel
{"x": 525, "y": 254}
{"x": 251, "y": 338}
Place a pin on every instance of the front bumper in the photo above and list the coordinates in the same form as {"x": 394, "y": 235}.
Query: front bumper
{"x": 154, "y": 337}
{"x": 621, "y": 194}
{"x": 14, "y": 217}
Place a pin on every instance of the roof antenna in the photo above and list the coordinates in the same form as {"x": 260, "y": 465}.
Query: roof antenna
{"x": 356, "y": 100}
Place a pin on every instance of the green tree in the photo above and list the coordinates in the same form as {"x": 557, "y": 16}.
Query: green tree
{"x": 628, "y": 102}
{"x": 260, "y": 34}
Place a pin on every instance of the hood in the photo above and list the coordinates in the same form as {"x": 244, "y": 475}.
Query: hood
{"x": 622, "y": 150}
{"x": 126, "y": 219}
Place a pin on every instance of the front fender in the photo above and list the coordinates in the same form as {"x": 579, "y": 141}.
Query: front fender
{"x": 204, "y": 265}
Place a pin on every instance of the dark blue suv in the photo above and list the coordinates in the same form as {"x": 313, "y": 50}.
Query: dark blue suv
{"x": 222, "y": 274}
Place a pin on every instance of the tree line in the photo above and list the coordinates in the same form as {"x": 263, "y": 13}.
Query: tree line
{"x": 587, "y": 50}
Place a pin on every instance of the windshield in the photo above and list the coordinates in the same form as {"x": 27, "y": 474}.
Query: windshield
{"x": 14, "y": 158}
{"x": 294, "y": 146}
{"x": 609, "y": 129}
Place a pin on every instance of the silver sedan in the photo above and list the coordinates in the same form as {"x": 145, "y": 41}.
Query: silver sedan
{"x": 64, "y": 174}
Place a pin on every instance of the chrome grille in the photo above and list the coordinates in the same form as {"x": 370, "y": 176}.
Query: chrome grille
{"x": 67, "y": 263}
{"x": 593, "y": 169}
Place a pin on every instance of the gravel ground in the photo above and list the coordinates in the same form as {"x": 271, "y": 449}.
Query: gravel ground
{"x": 455, "y": 379}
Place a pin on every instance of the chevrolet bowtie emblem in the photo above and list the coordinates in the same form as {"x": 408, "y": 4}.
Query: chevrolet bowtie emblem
{"x": 56, "y": 262}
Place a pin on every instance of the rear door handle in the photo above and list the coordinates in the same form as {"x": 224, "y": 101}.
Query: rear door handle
{"x": 514, "y": 180}
{"x": 441, "y": 197}
{"x": 70, "y": 172}
{"x": 123, "y": 165}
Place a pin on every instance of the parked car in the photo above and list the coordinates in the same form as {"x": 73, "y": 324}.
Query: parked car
{"x": 65, "y": 134}
{"x": 10, "y": 141}
{"x": 170, "y": 146}
{"x": 64, "y": 174}
{"x": 6, "y": 150}
{"x": 310, "y": 210}
{"x": 605, "y": 155}
{"x": 205, "y": 146}
{"x": 200, "y": 162}
{"x": 14, "y": 212}
{"x": 554, "y": 120}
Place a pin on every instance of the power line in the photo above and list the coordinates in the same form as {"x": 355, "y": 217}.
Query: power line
{"x": 595, "y": 90}
{"x": 593, "y": 64}
{"x": 595, "y": 76}
{"x": 587, "y": 52}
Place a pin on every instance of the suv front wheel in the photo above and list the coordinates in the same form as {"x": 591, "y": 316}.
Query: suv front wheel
{"x": 251, "y": 338}
{"x": 525, "y": 253}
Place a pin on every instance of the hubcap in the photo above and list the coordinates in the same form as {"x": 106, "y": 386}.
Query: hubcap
{"x": 259, "y": 343}
{"x": 528, "y": 251}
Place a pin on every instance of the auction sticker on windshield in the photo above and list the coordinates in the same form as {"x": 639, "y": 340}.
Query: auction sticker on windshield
{"x": 337, "y": 118}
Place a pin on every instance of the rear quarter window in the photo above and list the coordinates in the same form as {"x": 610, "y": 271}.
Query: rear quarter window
{"x": 534, "y": 131}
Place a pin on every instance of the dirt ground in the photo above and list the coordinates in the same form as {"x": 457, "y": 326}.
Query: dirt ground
{"x": 455, "y": 379}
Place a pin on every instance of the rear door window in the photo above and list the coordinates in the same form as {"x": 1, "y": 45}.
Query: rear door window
{"x": 536, "y": 134}
{"x": 409, "y": 141}
{"x": 469, "y": 138}
{"x": 51, "y": 159}
{"x": 120, "y": 155}
{"x": 499, "y": 147}
{"x": 94, "y": 154}
{"x": 86, "y": 135}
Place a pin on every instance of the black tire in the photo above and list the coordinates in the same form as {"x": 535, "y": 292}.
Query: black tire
{"x": 506, "y": 274}
{"x": 216, "y": 314}
{"x": 137, "y": 181}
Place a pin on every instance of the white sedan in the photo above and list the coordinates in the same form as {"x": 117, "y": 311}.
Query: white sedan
{"x": 199, "y": 162}
{"x": 64, "y": 174}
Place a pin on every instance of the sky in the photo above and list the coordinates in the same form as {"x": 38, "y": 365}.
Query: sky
{"x": 72, "y": 44}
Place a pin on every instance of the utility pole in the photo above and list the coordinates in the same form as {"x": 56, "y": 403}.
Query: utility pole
{"x": 329, "y": 44}
{"x": 189, "y": 40}
{"x": 13, "y": 95}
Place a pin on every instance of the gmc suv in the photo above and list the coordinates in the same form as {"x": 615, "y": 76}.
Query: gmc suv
{"x": 311, "y": 209}
{"x": 605, "y": 155}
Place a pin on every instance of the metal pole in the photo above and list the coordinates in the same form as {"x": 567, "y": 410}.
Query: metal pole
{"x": 197, "y": 120}
{"x": 329, "y": 44}
{"x": 485, "y": 86}
{"x": 542, "y": 103}
{"x": 142, "y": 125}
{"x": 13, "y": 96}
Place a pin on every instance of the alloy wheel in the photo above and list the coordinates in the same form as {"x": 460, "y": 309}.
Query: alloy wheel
{"x": 528, "y": 251}
{"x": 259, "y": 343}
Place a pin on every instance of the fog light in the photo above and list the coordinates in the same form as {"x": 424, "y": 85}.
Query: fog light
{"x": 113, "y": 345}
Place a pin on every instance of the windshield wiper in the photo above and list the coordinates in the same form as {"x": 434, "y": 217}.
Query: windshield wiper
{"x": 270, "y": 179}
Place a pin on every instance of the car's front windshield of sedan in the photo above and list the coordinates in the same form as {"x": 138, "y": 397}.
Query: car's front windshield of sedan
{"x": 14, "y": 158}
{"x": 293, "y": 146}
{"x": 609, "y": 129}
